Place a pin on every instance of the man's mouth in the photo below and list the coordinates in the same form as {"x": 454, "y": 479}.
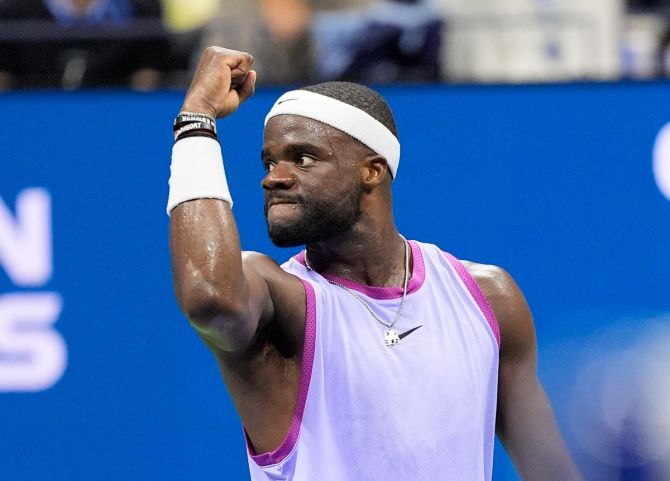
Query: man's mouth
{"x": 280, "y": 200}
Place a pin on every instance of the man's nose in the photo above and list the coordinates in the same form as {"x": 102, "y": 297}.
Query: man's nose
{"x": 280, "y": 177}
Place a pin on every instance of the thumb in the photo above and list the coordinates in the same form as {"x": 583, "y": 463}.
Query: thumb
{"x": 248, "y": 87}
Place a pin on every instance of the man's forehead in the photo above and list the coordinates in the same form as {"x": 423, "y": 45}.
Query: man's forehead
{"x": 289, "y": 128}
{"x": 294, "y": 123}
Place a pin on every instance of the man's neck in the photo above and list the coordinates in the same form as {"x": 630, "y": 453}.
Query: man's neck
{"x": 374, "y": 257}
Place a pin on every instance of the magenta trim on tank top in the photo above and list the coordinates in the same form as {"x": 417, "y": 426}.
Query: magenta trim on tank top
{"x": 287, "y": 445}
{"x": 477, "y": 294}
{"x": 383, "y": 293}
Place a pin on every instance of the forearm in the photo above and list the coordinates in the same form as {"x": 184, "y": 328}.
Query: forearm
{"x": 531, "y": 436}
{"x": 222, "y": 301}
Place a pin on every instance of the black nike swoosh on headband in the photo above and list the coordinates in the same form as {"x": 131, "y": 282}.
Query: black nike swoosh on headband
{"x": 407, "y": 333}
{"x": 285, "y": 100}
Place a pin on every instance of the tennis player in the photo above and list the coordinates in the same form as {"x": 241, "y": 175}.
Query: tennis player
{"x": 367, "y": 356}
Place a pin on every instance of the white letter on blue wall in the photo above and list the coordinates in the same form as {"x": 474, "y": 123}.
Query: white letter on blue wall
{"x": 662, "y": 161}
{"x": 33, "y": 356}
{"x": 25, "y": 241}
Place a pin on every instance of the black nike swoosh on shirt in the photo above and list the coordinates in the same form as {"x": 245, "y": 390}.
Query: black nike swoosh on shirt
{"x": 407, "y": 333}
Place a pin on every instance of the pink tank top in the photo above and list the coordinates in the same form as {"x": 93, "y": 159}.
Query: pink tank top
{"x": 421, "y": 410}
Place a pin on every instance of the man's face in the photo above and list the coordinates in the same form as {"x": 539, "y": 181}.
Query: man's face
{"x": 312, "y": 192}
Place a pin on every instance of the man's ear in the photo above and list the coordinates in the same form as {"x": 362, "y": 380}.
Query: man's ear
{"x": 374, "y": 171}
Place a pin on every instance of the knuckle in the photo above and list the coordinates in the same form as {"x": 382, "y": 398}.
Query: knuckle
{"x": 221, "y": 54}
{"x": 216, "y": 52}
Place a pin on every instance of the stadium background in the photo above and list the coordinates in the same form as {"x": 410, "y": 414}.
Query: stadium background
{"x": 553, "y": 182}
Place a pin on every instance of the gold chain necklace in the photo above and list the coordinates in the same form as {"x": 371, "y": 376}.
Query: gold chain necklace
{"x": 391, "y": 337}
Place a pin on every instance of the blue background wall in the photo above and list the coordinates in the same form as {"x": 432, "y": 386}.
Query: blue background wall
{"x": 554, "y": 183}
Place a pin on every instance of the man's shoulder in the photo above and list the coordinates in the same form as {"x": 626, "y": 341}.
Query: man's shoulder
{"x": 491, "y": 276}
{"x": 266, "y": 266}
{"x": 257, "y": 259}
{"x": 503, "y": 295}
{"x": 492, "y": 279}
{"x": 501, "y": 291}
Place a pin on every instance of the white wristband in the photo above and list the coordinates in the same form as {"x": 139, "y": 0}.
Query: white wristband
{"x": 196, "y": 172}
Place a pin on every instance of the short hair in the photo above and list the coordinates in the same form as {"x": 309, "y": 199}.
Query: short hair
{"x": 358, "y": 96}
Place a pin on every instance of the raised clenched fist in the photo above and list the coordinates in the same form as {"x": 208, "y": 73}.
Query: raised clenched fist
{"x": 223, "y": 81}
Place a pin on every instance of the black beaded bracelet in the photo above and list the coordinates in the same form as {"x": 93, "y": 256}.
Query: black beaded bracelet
{"x": 192, "y": 129}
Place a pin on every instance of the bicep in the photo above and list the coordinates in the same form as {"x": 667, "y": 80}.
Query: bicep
{"x": 232, "y": 326}
{"x": 222, "y": 291}
{"x": 273, "y": 296}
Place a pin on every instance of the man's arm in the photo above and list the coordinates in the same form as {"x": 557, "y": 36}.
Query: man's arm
{"x": 227, "y": 299}
{"x": 525, "y": 422}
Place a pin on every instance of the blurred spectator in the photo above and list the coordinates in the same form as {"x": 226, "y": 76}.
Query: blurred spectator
{"x": 640, "y": 45}
{"x": 276, "y": 32}
{"x": 379, "y": 42}
{"x": 646, "y": 39}
{"x": 661, "y": 9}
{"x": 664, "y": 54}
{"x": 298, "y": 41}
{"x": 81, "y": 43}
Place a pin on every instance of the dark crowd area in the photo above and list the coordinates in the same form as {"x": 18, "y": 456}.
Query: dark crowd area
{"x": 154, "y": 44}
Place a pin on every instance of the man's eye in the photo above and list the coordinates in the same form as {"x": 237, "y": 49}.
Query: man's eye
{"x": 269, "y": 165}
{"x": 306, "y": 160}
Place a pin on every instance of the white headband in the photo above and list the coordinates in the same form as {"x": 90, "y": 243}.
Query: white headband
{"x": 351, "y": 120}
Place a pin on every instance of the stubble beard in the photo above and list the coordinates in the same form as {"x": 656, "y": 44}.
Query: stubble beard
{"x": 321, "y": 219}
